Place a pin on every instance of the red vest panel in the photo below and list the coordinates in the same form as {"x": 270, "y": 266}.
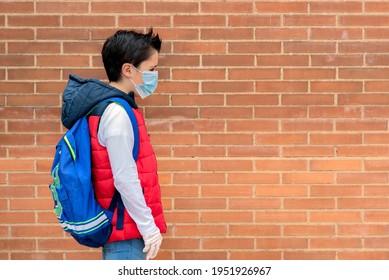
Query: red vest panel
{"x": 147, "y": 172}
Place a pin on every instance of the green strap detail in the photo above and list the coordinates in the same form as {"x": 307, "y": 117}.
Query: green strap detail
{"x": 53, "y": 188}
{"x": 70, "y": 148}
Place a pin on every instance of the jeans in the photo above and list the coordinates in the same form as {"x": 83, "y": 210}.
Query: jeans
{"x": 124, "y": 250}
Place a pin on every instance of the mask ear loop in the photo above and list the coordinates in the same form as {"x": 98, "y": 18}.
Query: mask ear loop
{"x": 136, "y": 70}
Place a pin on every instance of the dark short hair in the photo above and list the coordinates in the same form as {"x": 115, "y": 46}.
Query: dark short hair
{"x": 128, "y": 47}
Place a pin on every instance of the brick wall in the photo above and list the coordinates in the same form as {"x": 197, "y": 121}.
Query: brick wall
{"x": 270, "y": 124}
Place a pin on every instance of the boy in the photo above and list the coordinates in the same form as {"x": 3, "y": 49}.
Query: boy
{"x": 130, "y": 59}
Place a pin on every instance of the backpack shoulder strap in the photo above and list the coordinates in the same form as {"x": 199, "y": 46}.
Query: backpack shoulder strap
{"x": 99, "y": 109}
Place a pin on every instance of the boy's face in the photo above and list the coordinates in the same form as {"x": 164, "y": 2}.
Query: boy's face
{"x": 148, "y": 65}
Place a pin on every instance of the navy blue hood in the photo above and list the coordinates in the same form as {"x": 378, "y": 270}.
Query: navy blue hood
{"x": 81, "y": 95}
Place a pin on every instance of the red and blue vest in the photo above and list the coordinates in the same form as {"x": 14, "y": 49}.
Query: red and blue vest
{"x": 103, "y": 181}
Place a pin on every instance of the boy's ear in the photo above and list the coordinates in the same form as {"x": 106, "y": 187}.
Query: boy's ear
{"x": 127, "y": 70}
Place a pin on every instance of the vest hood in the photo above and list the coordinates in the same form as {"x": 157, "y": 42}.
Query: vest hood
{"x": 81, "y": 95}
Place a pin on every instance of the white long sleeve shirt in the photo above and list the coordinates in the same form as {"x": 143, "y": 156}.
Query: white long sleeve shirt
{"x": 116, "y": 134}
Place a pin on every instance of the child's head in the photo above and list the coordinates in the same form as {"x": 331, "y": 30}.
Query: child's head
{"x": 128, "y": 47}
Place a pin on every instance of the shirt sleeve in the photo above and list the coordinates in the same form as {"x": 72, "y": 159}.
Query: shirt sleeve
{"x": 116, "y": 134}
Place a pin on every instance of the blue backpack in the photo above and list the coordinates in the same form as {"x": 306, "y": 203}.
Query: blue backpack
{"x": 75, "y": 204}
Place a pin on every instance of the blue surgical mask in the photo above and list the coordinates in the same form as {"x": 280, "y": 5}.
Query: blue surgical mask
{"x": 150, "y": 82}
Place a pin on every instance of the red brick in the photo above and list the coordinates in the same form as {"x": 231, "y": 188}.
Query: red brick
{"x": 284, "y": 86}
{"x": 380, "y": 190}
{"x": 376, "y": 165}
{"x": 336, "y": 86}
{"x": 16, "y": 7}
{"x": 21, "y": 60}
{"x": 352, "y": 151}
{"x": 214, "y": 7}
{"x": 336, "y": 242}
{"x": 221, "y": 191}
{"x": 363, "y": 20}
{"x": 282, "y": 60}
{"x": 310, "y": 20}
{"x": 179, "y": 60}
{"x": 226, "y": 139}
{"x": 199, "y": 151}
{"x": 309, "y": 47}
{"x": 362, "y": 203}
{"x": 199, "y": 74}
{"x": 224, "y": 165}
{"x": 33, "y": 74}
{"x": 309, "y": 74}
{"x": 281, "y": 243}
{"x": 362, "y": 99}
{"x": 198, "y": 125}
{"x": 281, "y": 112}
{"x": 256, "y": 20}
{"x": 199, "y": 178}
{"x": 336, "y": 7}
{"x": 59, "y": 7}
{"x": 203, "y": 20}
{"x": 281, "y": 7}
{"x": 255, "y": 230}
{"x": 362, "y": 47}
{"x": 309, "y": 203}
{"x": 336, "y": 33}
{"x": 257, "y": 178}
{"x": 372, "y": 33}
{"x": 230, "y": 243}
{"x": 363, "y": 230}
{"x": 362, "y": 177}
{"x": 281, "y": 33}
{"x": 250, "y": 151}
{"x": 308, "y": 151}
{"x": 17, "y": 165}
{"x": 254, "y": 203}
{"x": 335, "y": 112}
{"x": 256, "y": 255}
{"x": 227, "y": 217}
{"x": 200, "y": 203}
{"x": 257, "y": 47}
{"x": 376, "y": 216}
{"x": 32, "y": 126}
{"x": 201, "y": 255}
{"x": 363, "y": 255}
{"x": 178, "y": 165}
{"x": 361, "y": 125}
{"x": 166, "y": 7}
{"x": 227, "y": 34}
{"x": 253, "y": 74}
{"x": 252, "y": 125}
{"x": 253, "y": 99}
{"x": 198, "y": 100}
{"x": 309, "y": 230}
{"x": 228, "y": 86}
{"x": 322, "y": 165}
{"x": 34, "y": 20}
{"x": 203, "y": 230}
{"x": 281, "y": 216}
{"x": 337, "y": 60}
{"x": 228, "y": 60}
{"x": 284, "y": 164}
{"x": 34, "y": 47}
{"x": 302, "y": 125}
{"x": 310, "y": 255}
{"x": 335, "y": 216}
{"x": 281, "y": 138}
